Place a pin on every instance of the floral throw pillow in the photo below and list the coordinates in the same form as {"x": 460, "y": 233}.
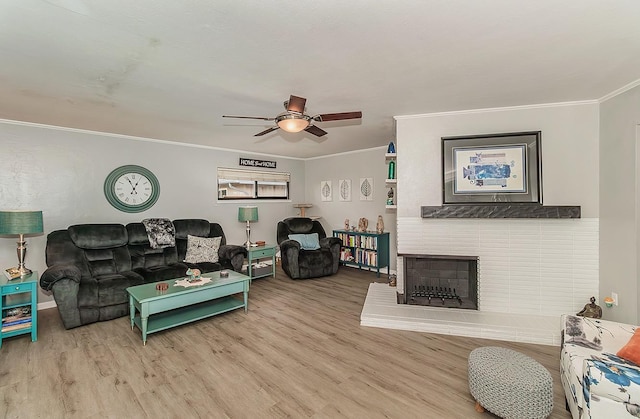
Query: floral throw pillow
{"x": 202, "y": 249}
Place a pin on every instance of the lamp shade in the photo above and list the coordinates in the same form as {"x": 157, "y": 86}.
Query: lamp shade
{"x": 248, "y": 214}
{"x": 20, "y": 222}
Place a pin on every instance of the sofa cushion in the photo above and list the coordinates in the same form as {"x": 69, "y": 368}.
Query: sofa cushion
{"x": 163, "y": 272}
{"x": 142, "y": 255}
{"x": 205, "y": 266}
{"x": 195, "y": 227}
{"x": 202, "y": 249}
{"x": 107, "y": 289}
{"x": 98, "y": 236}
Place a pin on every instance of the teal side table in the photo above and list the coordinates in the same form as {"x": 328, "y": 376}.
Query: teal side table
{"x": 254, "y": 254}
{"x": 19, "y": 296}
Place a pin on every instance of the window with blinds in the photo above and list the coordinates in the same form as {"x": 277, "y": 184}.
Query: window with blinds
{"x": 252, "y": 184}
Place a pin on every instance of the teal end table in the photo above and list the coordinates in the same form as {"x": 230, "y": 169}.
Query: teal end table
{"x": 19, "y": 306}
{"x": 254, "y": 254}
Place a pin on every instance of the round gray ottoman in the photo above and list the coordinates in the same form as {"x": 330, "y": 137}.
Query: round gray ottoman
{"x": 509, "y": 384}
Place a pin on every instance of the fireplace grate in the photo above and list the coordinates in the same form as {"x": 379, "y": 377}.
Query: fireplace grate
{"x": 436, "y": 294}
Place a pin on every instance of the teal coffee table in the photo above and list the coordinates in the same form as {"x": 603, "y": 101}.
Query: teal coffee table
{"x": 153, "y": 310}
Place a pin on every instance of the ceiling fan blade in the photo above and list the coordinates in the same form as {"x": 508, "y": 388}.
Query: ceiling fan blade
{"x": 249, "y": 117}
{"x": 337, "y": 116}
{"x": 319, "y": 132}
{"x": 296, "y": 104}
{"x": 266, "y": 131}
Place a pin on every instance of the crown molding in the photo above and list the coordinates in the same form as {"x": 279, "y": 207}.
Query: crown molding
{"x": 344, "y": 153}
{"x": 619, "y": 91}
{"x": 502, "y": 109}
{"x": 131, "y": 137}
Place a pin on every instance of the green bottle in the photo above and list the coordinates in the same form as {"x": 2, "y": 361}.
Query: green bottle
{"x": 392, "y": 170}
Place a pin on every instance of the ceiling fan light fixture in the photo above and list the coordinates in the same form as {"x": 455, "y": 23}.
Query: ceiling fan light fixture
{"x": 292, "y": 122}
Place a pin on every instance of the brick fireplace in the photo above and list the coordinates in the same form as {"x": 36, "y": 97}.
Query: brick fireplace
{"x": 440, "y": 281}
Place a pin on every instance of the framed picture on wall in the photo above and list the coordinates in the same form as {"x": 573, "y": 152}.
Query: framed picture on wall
{"x": 366, "y": 189}
{"x": 344, "y": 189}
{"x": 326, "y": 191}
{"x": 490, "y": 169}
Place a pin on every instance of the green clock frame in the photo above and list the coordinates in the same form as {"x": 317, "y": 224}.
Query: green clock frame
{"x": 112, "y": 195}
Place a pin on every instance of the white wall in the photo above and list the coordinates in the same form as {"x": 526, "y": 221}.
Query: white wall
{"x": 62, "y": 173}
{"x": 354, "y": 166}
{"x": 619, "y": 195}
{"x": 525, "y": 267}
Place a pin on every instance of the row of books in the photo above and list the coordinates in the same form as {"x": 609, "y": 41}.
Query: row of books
{"x": 19, "y": 326}
{"x": 16, "y": 318}
{"x": 360, "y": 256}
{"x": 355, "y": 240}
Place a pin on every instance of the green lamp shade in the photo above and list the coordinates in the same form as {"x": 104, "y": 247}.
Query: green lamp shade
{"x": 20, "y": 222}
{"x": 248, "y": 214}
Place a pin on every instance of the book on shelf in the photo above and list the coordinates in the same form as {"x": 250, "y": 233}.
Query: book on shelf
{"x": 16, "y": 327}
{"x": 16, "y": 321}
{"x": 12, "y": 273}
{"x": 24, "y": 311}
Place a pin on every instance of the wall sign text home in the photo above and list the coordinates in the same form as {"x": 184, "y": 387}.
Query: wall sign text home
{"x": 257, "y": 163}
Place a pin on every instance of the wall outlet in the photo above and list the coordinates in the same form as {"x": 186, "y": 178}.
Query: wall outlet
{"x": 614, "y": 295}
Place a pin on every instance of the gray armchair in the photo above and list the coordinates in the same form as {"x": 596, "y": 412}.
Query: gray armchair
{"x": 299, "y": 263}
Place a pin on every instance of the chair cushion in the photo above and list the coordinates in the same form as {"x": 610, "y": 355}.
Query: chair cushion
{"x": 307, "y": 241}
{"x": 299, "y": 225}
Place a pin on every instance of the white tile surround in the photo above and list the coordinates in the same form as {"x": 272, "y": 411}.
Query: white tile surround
{"x": 525, "y": 266}
{"x": 530, "y": 271}
{"x": 380, "y": 310}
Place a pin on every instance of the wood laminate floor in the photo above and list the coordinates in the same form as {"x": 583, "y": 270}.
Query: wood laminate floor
{"x": 299, "y": 352}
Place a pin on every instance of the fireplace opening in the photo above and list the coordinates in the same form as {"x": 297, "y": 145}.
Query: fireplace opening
{"x": 441, "y": 281}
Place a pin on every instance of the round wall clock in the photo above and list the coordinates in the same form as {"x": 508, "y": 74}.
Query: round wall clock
{"x": 131, "y": 188}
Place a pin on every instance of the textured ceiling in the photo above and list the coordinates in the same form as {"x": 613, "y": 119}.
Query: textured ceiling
{"x": 169, "y": 69}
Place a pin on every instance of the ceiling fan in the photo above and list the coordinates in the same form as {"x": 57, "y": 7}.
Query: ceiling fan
{"x": 295, "y": 120}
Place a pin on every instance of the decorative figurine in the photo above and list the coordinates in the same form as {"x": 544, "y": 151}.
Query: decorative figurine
{"x": 591, "y": 310}
{"x": 392, "y": 170}
{"x": 380, "y": 225}
{"x": 393, "y": 280}
{"x": 346, "y": 224}
{"x": 390, "y": 197}
{"x": 363, "y": 223}
{"x": 194, "y": 274}
{"x": 391, "y": 149}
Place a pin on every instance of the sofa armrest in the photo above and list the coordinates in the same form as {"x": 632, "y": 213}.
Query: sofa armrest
{"x": 611, "y": 386}
{"x": 233, "y": 255}
{"x": 597, "y": 334}
{"x": 57, "y": 272}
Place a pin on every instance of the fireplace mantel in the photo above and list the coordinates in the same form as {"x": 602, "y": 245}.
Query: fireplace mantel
{"x": 501, "y": 211}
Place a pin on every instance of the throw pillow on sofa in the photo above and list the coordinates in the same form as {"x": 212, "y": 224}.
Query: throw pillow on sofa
{"x": 202, "y": 249}
{"x": 631, "y": 351}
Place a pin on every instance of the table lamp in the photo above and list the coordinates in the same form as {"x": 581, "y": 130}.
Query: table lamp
{"x": 21, "y": 223}
{"x": 248, "y": 214}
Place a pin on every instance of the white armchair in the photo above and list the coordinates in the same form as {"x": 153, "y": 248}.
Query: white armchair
{"x": 596, "y": 382}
